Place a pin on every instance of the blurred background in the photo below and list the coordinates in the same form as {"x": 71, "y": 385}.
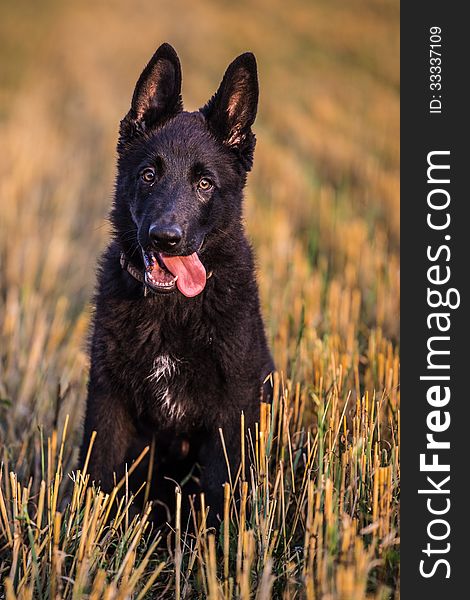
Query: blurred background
{"x": 322, "y": 211}
{"x": 321, "y": 204}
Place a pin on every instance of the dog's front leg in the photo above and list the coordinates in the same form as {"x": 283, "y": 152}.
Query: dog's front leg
{"x": 115, "y": 431}
{"x": 215, "y": 472}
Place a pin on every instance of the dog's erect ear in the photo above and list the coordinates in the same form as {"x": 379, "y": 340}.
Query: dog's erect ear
{"x": 231, "y": 112}
{"x": 157, "y": 94}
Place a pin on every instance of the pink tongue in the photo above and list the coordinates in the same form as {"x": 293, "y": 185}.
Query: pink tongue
{"x": 190, "y": 271}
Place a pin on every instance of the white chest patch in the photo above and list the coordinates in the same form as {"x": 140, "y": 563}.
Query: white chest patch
{"x": 165, "y": 367}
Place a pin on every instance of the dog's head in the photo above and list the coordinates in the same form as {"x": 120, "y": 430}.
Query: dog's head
{"x": 181, "y": 174}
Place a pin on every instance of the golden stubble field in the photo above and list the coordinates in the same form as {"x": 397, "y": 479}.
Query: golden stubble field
{"x": 322, "y": 209}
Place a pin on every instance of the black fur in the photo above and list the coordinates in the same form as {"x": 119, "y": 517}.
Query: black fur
{"x": 215, "y": 342}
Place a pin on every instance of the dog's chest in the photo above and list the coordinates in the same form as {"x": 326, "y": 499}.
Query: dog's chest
{"x": 170, "y": 368}
{"x": 165, "y": 386}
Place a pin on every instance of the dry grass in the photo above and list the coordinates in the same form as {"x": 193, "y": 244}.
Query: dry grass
{"x": 322, "y": 210}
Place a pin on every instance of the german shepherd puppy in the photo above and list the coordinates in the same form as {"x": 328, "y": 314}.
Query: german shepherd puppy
{"x": 178, "y": 346}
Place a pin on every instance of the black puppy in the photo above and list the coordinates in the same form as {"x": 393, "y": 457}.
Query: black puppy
{"x": 178, "y": 347}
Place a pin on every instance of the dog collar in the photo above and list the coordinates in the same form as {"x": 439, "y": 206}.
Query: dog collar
{"x": 129, "y": 267}
{"x": 137, "y": 274}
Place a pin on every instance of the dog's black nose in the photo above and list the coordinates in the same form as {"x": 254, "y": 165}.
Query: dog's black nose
{"x": 165, "y": 237}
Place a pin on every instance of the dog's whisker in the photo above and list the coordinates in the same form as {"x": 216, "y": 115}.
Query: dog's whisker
{"x": 223, "y": 232}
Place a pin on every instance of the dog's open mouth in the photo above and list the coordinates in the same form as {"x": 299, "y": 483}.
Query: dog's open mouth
{"x": 165, "y": 273}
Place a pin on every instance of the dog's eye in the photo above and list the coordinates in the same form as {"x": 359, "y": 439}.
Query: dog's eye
{"x": 204, "y": 184}
{"x": 148, "y": 175}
